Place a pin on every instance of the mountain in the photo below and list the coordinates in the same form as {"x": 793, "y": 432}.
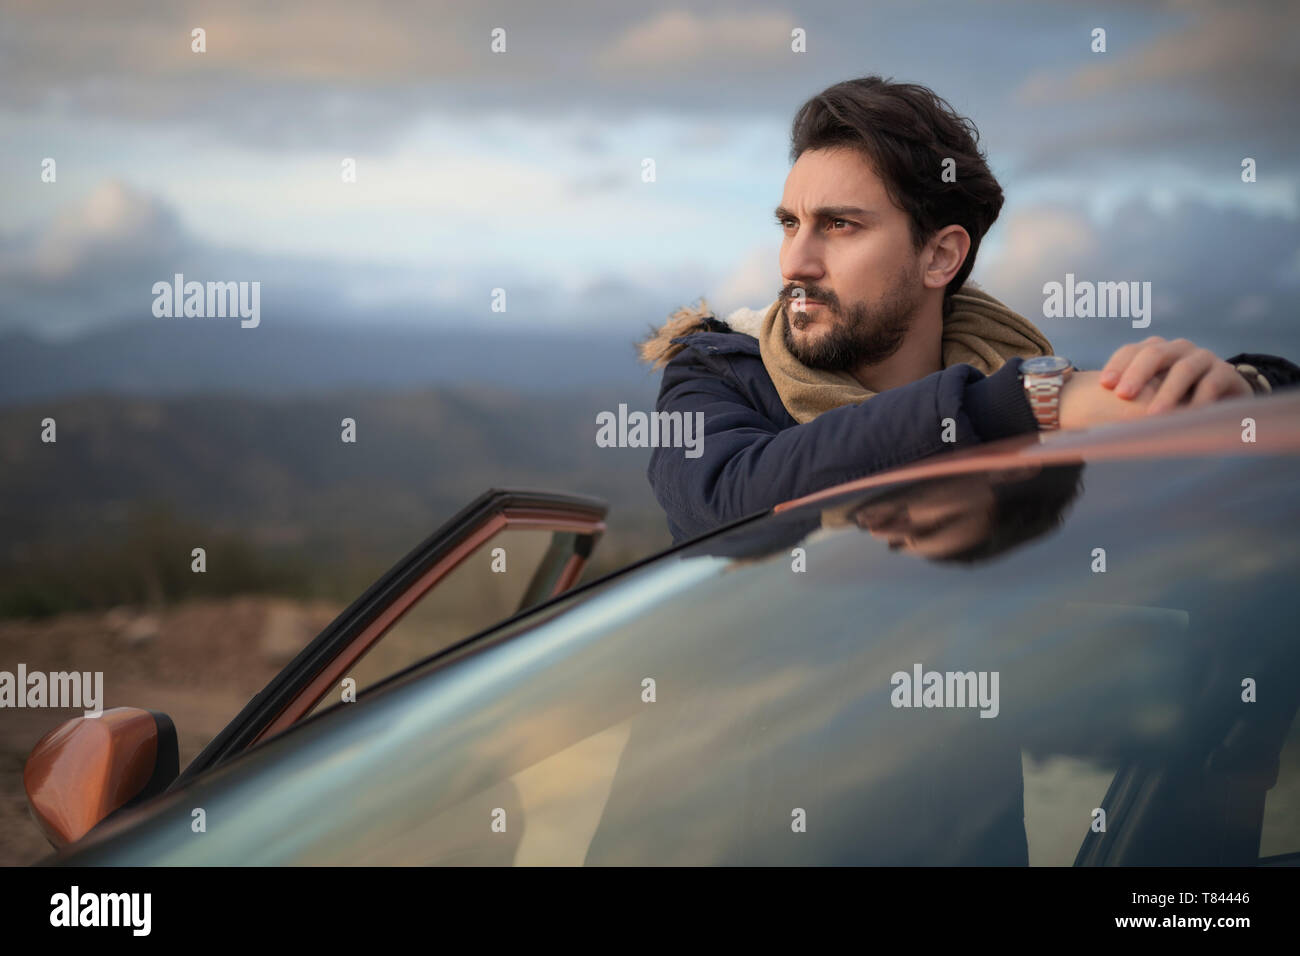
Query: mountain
{"x": 271, "y": 477}
{"x": 165, "y": 357}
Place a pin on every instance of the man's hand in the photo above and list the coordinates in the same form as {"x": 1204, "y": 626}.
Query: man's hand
{"x": 1084, "y": 402}
{"x": 1191, "y": 373}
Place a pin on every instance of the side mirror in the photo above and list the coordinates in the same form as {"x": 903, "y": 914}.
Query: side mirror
{"x": 90, "y": 767}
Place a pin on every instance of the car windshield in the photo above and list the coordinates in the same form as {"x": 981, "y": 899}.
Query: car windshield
{"x": 1070, "y": 664}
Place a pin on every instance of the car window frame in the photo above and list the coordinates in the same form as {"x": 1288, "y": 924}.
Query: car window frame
{"x": 289, "y": 698}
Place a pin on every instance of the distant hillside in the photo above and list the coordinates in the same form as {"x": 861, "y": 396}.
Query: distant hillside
{"x": 172, "y": 357}
{"x": 272, "y": 480}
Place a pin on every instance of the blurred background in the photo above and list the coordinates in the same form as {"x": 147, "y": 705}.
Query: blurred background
{"x": 518, "y": 170}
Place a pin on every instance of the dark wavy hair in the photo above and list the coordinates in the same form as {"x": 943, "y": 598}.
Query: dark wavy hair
{"x": 1024, "y": 510}
{"x": 906, "y": 131}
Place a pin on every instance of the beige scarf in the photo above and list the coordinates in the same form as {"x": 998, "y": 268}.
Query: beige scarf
{"x": 980, "y": 331}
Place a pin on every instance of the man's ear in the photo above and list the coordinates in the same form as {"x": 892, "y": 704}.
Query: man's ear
{"x": 947, "y": 250}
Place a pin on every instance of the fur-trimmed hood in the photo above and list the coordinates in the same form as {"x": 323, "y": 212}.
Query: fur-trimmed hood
{"x": 659, "y": 348}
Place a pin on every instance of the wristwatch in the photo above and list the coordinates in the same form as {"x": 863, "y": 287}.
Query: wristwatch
{"x": 1042, "y": 377}
{"x": 1259, "y": 384}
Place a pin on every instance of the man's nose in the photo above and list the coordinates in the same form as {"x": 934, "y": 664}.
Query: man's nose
{"x": 801, "y": 259}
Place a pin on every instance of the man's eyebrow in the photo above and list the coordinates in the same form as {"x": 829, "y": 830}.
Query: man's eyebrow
{"x": 827, "y": 212}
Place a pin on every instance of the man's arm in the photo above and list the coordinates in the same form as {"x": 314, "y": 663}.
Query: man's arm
{"x": 749, "y": 464}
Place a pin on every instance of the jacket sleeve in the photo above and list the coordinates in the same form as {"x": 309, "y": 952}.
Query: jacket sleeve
{"x": 748, "y": 463}
{"x": 1279, "y": 372}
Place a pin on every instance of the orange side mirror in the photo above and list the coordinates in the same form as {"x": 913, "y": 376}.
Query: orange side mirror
{"x": 89, "y": 767}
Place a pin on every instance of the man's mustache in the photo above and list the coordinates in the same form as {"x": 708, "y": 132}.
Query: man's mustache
{"x": 788, "y": 296}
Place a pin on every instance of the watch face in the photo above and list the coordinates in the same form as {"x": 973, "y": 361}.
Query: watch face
{"x": 1044, "y": 365}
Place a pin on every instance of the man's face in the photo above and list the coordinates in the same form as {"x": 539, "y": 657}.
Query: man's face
{"x": 940, "y": 518}
{"x": 849, "y": 248}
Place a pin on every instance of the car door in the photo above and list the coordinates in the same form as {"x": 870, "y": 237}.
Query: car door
{"x": 533, "y": 545}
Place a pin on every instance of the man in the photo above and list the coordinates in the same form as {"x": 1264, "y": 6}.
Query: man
{"x": 877, "y": 353}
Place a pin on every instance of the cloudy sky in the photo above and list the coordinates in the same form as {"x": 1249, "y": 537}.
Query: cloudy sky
{"x": 522, "y": 169}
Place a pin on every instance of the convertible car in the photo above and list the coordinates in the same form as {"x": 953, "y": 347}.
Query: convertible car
{"x": 1077, "y": 648}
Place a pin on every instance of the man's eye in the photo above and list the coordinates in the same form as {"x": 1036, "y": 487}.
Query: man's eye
{"x": 845, "y": 221}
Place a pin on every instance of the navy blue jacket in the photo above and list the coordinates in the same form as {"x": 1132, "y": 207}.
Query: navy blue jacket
{"x": 755, "y": 455}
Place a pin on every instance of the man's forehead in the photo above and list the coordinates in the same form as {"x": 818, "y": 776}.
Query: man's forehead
{"x": 833, "y": 178}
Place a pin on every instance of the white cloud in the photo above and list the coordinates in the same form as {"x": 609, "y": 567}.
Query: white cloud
{"x": 114, "y": 223}
{"x": 1035, "y": 242}
{"x": 679, "y": 37}
{"x": 1208, "y": 280}
{"x": 754, "y": 283}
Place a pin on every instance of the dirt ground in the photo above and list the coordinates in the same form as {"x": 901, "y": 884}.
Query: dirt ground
{"x": 198, "y": 662}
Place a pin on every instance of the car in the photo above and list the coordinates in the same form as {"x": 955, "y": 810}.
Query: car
{"x": 1068, "y": 648}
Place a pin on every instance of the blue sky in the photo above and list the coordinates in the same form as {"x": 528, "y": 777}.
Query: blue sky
{"x": 522, "y": 169}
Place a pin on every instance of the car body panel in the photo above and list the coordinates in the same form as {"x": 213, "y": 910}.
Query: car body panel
{"x": 774, "y": 694}
{"x": 1211, "y": 429}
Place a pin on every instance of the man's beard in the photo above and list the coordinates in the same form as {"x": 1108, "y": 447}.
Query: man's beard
{"x": 863, "y": 337}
